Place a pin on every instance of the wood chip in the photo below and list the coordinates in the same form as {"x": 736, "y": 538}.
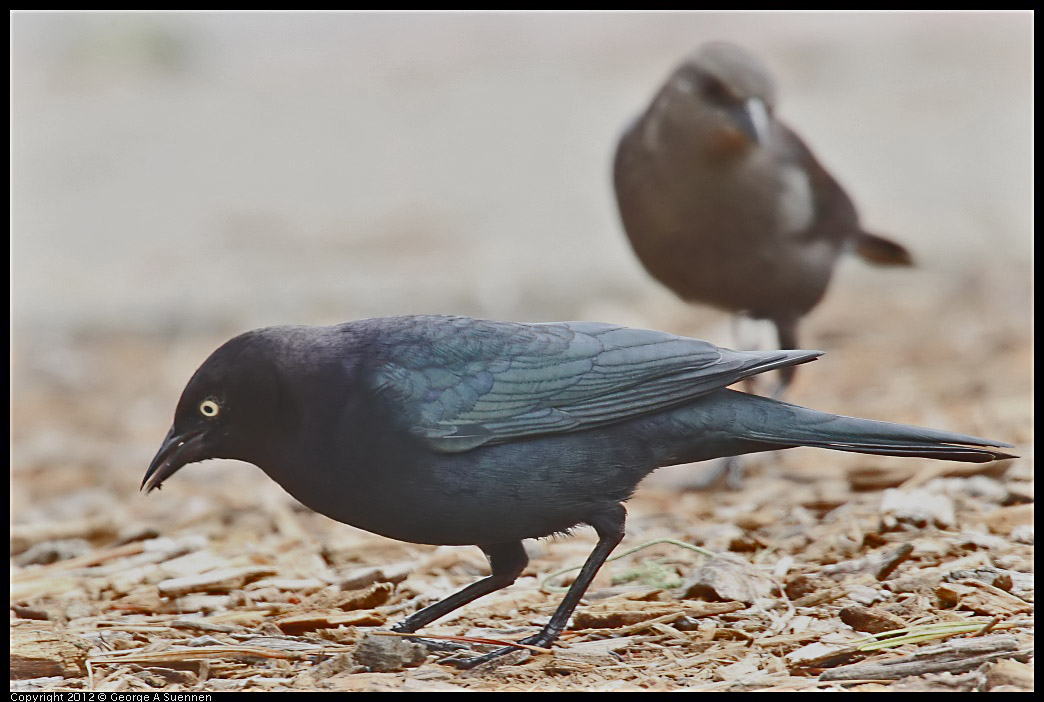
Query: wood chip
{"x": 727, "y": 577}
{"x": 84, "y": 561}
{"x": 865, "y": 478}
{"x": 181, "y": 677}
{"x": 195, "y": 602}
{"x": 612, "y": 613}
{"x": 303, "y": 585}
{"x": 981, "y": 598}
{"x": 919, "y": 507}
{"x": 1005, "y": 519}
{"x": 820, "y": 654}
{"x": 27, "y": 591}
{"x": 39, "y": 650}
{"x": 744, "y": 668}
{"x": 991, "y": 576}
{"x": 594, "y": 653}
{"x": 30, "y": 613}
{"x": 1012, "y": 674}
{"x": 281, "y": 643}
{"x": 310, "y": 621}
{"x": 203, "y": 625}
{"x": 801, "y": 585}
{"x": 872, "y": 620}
{"x": 25, "y": 535}
{"x": 52, "y": 552}
{"x": 224, "y": 580}
{"x": 385, "y": 654}
{"x": 816, "y": 598}
{"x": 373, "y": 596}
{"x": 880, "y": 563}
{"x": 364, "y": 577}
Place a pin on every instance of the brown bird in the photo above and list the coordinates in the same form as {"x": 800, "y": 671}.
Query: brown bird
{"x": 725, "y": 205}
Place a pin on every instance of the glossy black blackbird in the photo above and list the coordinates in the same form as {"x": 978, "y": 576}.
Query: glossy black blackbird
{"x": 725, "y": 205}
{"x": 450, "y": 430}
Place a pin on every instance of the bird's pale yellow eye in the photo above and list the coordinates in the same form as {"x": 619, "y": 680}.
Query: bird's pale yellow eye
{"x": 209, "y": 408}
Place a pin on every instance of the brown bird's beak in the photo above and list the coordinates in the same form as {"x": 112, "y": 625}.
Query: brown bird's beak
{"x": 176, "y": 451}
{"x": 752, "y": 118}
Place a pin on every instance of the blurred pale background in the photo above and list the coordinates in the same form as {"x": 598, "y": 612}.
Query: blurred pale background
{"x": 178, "y": 178}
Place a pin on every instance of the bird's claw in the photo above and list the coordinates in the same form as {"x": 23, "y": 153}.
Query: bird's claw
{"x": 437, "y": 646}
{"x": 469, "y": 662}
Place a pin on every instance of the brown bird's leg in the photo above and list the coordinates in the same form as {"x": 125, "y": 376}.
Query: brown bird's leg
{"x": 742, "y": 344}
{"x": 786, "y": 329}
{"x": 506, "y": 562}
{"x": 729, "y": 474}
{"x": 728, "y": 471}
{"x": 610, "y": 527}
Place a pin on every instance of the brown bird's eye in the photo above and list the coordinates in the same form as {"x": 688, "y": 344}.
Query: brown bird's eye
{"x": 715, "y": 91}
{"x": 209, "y": 408}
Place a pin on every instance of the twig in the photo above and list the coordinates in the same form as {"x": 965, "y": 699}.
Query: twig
{"x": 546, "y": 587}
{"x": 953, "y": 656}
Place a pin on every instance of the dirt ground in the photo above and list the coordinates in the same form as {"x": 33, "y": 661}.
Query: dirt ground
{"x": 177, "y": 179}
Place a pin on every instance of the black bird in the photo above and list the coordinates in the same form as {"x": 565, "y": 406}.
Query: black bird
{"x": 450, "y": 430}
{"x": 725, "y": 205}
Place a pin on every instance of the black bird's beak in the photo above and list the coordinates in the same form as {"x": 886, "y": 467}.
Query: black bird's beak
{"x": 752, "y": 118}
{"x": 176, "y": 451}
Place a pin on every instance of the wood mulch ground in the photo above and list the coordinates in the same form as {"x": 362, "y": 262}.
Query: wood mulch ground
{"x": 834, "y": 571}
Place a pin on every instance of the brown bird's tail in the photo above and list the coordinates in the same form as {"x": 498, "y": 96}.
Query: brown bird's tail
{"x": 882, "y": 252}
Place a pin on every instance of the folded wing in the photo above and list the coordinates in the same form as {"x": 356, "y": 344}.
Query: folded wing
{"x": 461, "y": 383}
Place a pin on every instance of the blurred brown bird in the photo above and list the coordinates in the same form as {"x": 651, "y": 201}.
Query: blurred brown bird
{"x": 725, "y": 205}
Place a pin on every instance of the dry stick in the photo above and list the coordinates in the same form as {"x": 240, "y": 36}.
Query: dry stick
{"x": 201, "y": 652}
{"x": 954, "y": 657}
{"x": 990, "y": 626}
{"x": 892, "y": 560}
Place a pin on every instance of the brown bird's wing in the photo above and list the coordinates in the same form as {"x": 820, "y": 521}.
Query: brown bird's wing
{"x": 836, "y": 216}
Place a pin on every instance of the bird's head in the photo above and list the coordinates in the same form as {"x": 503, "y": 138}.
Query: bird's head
{"x": 722, "y": 95}
{"x": 230, "y": 408}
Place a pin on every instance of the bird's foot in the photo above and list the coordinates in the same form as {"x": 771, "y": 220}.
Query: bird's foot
{"x": 732, "y": 473}
{"x": 436, "y": 646}
{"x": 540, "y": 639}
{"x": 433, "y": 645}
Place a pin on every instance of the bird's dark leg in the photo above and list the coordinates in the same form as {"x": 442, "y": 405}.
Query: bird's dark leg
{"x": 506, "y": 562}
{"x": 610, "y": 527}
{"x": 786, "y": 329}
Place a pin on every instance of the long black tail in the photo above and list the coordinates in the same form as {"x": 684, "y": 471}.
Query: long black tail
{"x": 792, "y": 425}
{"x": 730, "y": 422}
